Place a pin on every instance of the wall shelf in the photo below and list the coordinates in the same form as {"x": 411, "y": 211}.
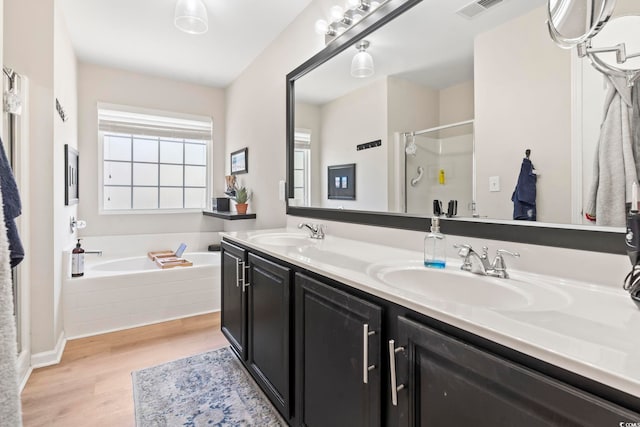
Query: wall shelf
{"x": 228, "y": 215}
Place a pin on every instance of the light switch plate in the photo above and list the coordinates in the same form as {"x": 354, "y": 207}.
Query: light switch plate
{"x": 494, "y": 183}
{"x": 281, "y": 190}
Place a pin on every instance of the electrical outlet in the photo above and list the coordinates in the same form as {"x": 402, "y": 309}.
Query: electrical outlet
{"x": 494, "y": 183}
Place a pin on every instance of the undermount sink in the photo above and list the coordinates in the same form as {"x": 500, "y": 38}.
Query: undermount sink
{"x": 469, "y": 289}
{"x": 282, "y": 239}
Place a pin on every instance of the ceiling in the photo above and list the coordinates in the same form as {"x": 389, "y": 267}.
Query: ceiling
{"x": 139, "y": 35}
{"x": 430, "y": 44}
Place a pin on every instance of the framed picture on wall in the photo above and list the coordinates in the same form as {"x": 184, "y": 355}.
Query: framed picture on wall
{"x": 240, "y": 161}
{"x": 71, "y": 163}
{"x": 342, "y": 182}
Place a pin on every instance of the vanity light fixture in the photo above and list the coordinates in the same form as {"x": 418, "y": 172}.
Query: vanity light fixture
{"x": 362, "y": 63}
{"x": 343, "y": 18}
{"x": 191, "y": 16}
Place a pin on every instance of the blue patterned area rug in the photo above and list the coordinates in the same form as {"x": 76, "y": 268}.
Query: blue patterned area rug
{"x": 209, "y": 389}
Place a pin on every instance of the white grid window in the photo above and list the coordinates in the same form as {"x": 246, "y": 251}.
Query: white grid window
{"x": 302, "y": 167}
{"x": 153, "y": 163}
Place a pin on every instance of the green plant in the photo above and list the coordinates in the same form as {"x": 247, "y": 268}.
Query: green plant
{"x": 242, "y": 195}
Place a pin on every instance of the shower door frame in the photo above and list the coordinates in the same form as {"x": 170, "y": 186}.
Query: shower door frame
{"x": 405, "y": 135}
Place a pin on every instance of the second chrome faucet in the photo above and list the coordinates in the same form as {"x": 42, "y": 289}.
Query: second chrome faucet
{"x": 316, "y": 231}
{"x": 480, "y": 263}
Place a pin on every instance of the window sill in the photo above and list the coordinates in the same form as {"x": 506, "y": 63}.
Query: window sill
{"x": 151, "y": 212}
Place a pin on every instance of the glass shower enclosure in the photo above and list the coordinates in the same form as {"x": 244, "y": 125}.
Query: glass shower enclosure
{"x": 440, "y": 165}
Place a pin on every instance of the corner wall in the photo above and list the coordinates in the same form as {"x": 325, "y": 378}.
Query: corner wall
{"x": 355, "y": 118}
{"x": 65, "y": 89}
{"x": 256, "y": 116}
{"x": 31, "y": 53}
{"x": 513, "y": 114}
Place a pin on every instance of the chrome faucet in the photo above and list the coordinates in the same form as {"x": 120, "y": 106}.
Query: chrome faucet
{"x": 480, "y": 264}
{"x": 99, "y": 253}
{"x": 316, "y": 231}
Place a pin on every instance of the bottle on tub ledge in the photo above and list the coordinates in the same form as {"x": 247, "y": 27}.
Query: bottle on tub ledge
{"x": 435, "y": 246}
{"x": 77, "y": 261}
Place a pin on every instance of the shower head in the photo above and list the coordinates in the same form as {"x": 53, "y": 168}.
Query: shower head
{"x": 411, "y": 147}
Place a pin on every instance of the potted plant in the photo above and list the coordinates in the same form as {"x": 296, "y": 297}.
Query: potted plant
{"x": 241, "y": 198}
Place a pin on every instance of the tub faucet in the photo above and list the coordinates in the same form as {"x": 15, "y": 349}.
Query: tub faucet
{"x": 94, "y": 252}
{"x": 316, "y": 230}
{"x": 480, "y": 264}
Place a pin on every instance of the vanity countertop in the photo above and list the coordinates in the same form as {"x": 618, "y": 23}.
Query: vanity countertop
{"x": 585, "y": 328}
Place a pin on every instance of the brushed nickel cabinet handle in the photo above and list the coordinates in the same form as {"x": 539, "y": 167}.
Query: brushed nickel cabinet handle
{"x": 245, "y": 283}
{"x": 392, "y": 362}
{"x": 237, "y": 272}
{"x": 366, "y": 333}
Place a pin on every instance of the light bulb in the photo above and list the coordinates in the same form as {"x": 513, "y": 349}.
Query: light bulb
{"x": 322, "y": 27}
{"x": 353, "y": 4}
{"x": 337, "y": 13}
{"x": 374, "y": 4}
{"x": 356, "y": 17}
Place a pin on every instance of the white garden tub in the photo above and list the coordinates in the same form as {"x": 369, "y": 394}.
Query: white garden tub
{"x": 123, "y": 293}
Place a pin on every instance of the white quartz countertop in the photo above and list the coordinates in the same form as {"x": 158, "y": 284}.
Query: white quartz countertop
{"x": 585, "y": 328}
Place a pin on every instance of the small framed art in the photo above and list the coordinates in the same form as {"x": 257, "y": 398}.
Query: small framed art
{"x": 342, "y": 182}
{"x": 240, "y": 161}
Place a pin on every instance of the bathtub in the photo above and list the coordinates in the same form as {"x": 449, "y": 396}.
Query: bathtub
{"x": 123, "y": 293}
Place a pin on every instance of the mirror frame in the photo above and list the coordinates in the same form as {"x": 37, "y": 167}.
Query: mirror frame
{"x": 576, "y": 237}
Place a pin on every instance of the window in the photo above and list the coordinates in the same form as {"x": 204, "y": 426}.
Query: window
{"x": 302, "y": 167}
{"x": 153, "y": 162}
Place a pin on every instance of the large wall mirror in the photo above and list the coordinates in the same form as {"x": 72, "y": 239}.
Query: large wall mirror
{"x": 461, "y": 99}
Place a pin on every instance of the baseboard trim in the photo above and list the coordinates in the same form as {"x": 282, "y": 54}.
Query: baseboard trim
{"x": 138, "y": 325}
{"x": 26, "y": 377}
{"x": 51, "y": 357}
{"x": 24, "y": 368}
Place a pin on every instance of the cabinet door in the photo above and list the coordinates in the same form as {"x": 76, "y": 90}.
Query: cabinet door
{"x": 234, "y": 301}
{"x": 450, "y": 383}
{"x": 337, "y": 357}
{"x": 269, "y": 341}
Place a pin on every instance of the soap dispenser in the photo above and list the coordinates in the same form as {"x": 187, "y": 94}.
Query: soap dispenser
{"x": 435, "y": 246}
{"x": 77, "y": 261}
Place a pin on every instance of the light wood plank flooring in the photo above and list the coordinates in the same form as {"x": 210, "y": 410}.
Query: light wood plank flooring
{"x": 91, "y": 386}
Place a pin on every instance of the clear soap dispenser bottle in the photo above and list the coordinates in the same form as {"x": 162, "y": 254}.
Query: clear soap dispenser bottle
{"x": 435, "y": 246}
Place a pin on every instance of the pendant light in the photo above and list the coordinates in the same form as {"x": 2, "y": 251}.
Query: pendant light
{"x": 191, "y": 16}
{"x": 362, "y": 63}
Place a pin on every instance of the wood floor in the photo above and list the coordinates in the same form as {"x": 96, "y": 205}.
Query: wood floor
{"x": 92, "y": 384}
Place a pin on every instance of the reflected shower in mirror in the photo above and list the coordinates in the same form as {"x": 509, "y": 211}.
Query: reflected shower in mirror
{"x": 437, "y": 65}
{"x": 438, "y": 166}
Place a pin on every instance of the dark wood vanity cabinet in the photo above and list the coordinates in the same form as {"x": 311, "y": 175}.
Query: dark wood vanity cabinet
{"x": 321, "y": 352}
{"x": 338, "y": 357}
{"x": 268, "y": 343}
{"x": 234, "y": 298}
{"x": 447, "y": 382}
{"x": 255, "y": 319}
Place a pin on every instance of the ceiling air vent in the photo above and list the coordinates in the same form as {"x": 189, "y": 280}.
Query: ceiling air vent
{"x": 475, "y": 8}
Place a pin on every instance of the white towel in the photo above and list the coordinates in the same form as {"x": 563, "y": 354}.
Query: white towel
{"x": 615, "y": 166}
{"x": 10, "y": 414}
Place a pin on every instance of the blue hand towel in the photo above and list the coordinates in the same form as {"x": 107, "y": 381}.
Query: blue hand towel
{"x": 524, "y": 195}
{"x": 12, "y": 207}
